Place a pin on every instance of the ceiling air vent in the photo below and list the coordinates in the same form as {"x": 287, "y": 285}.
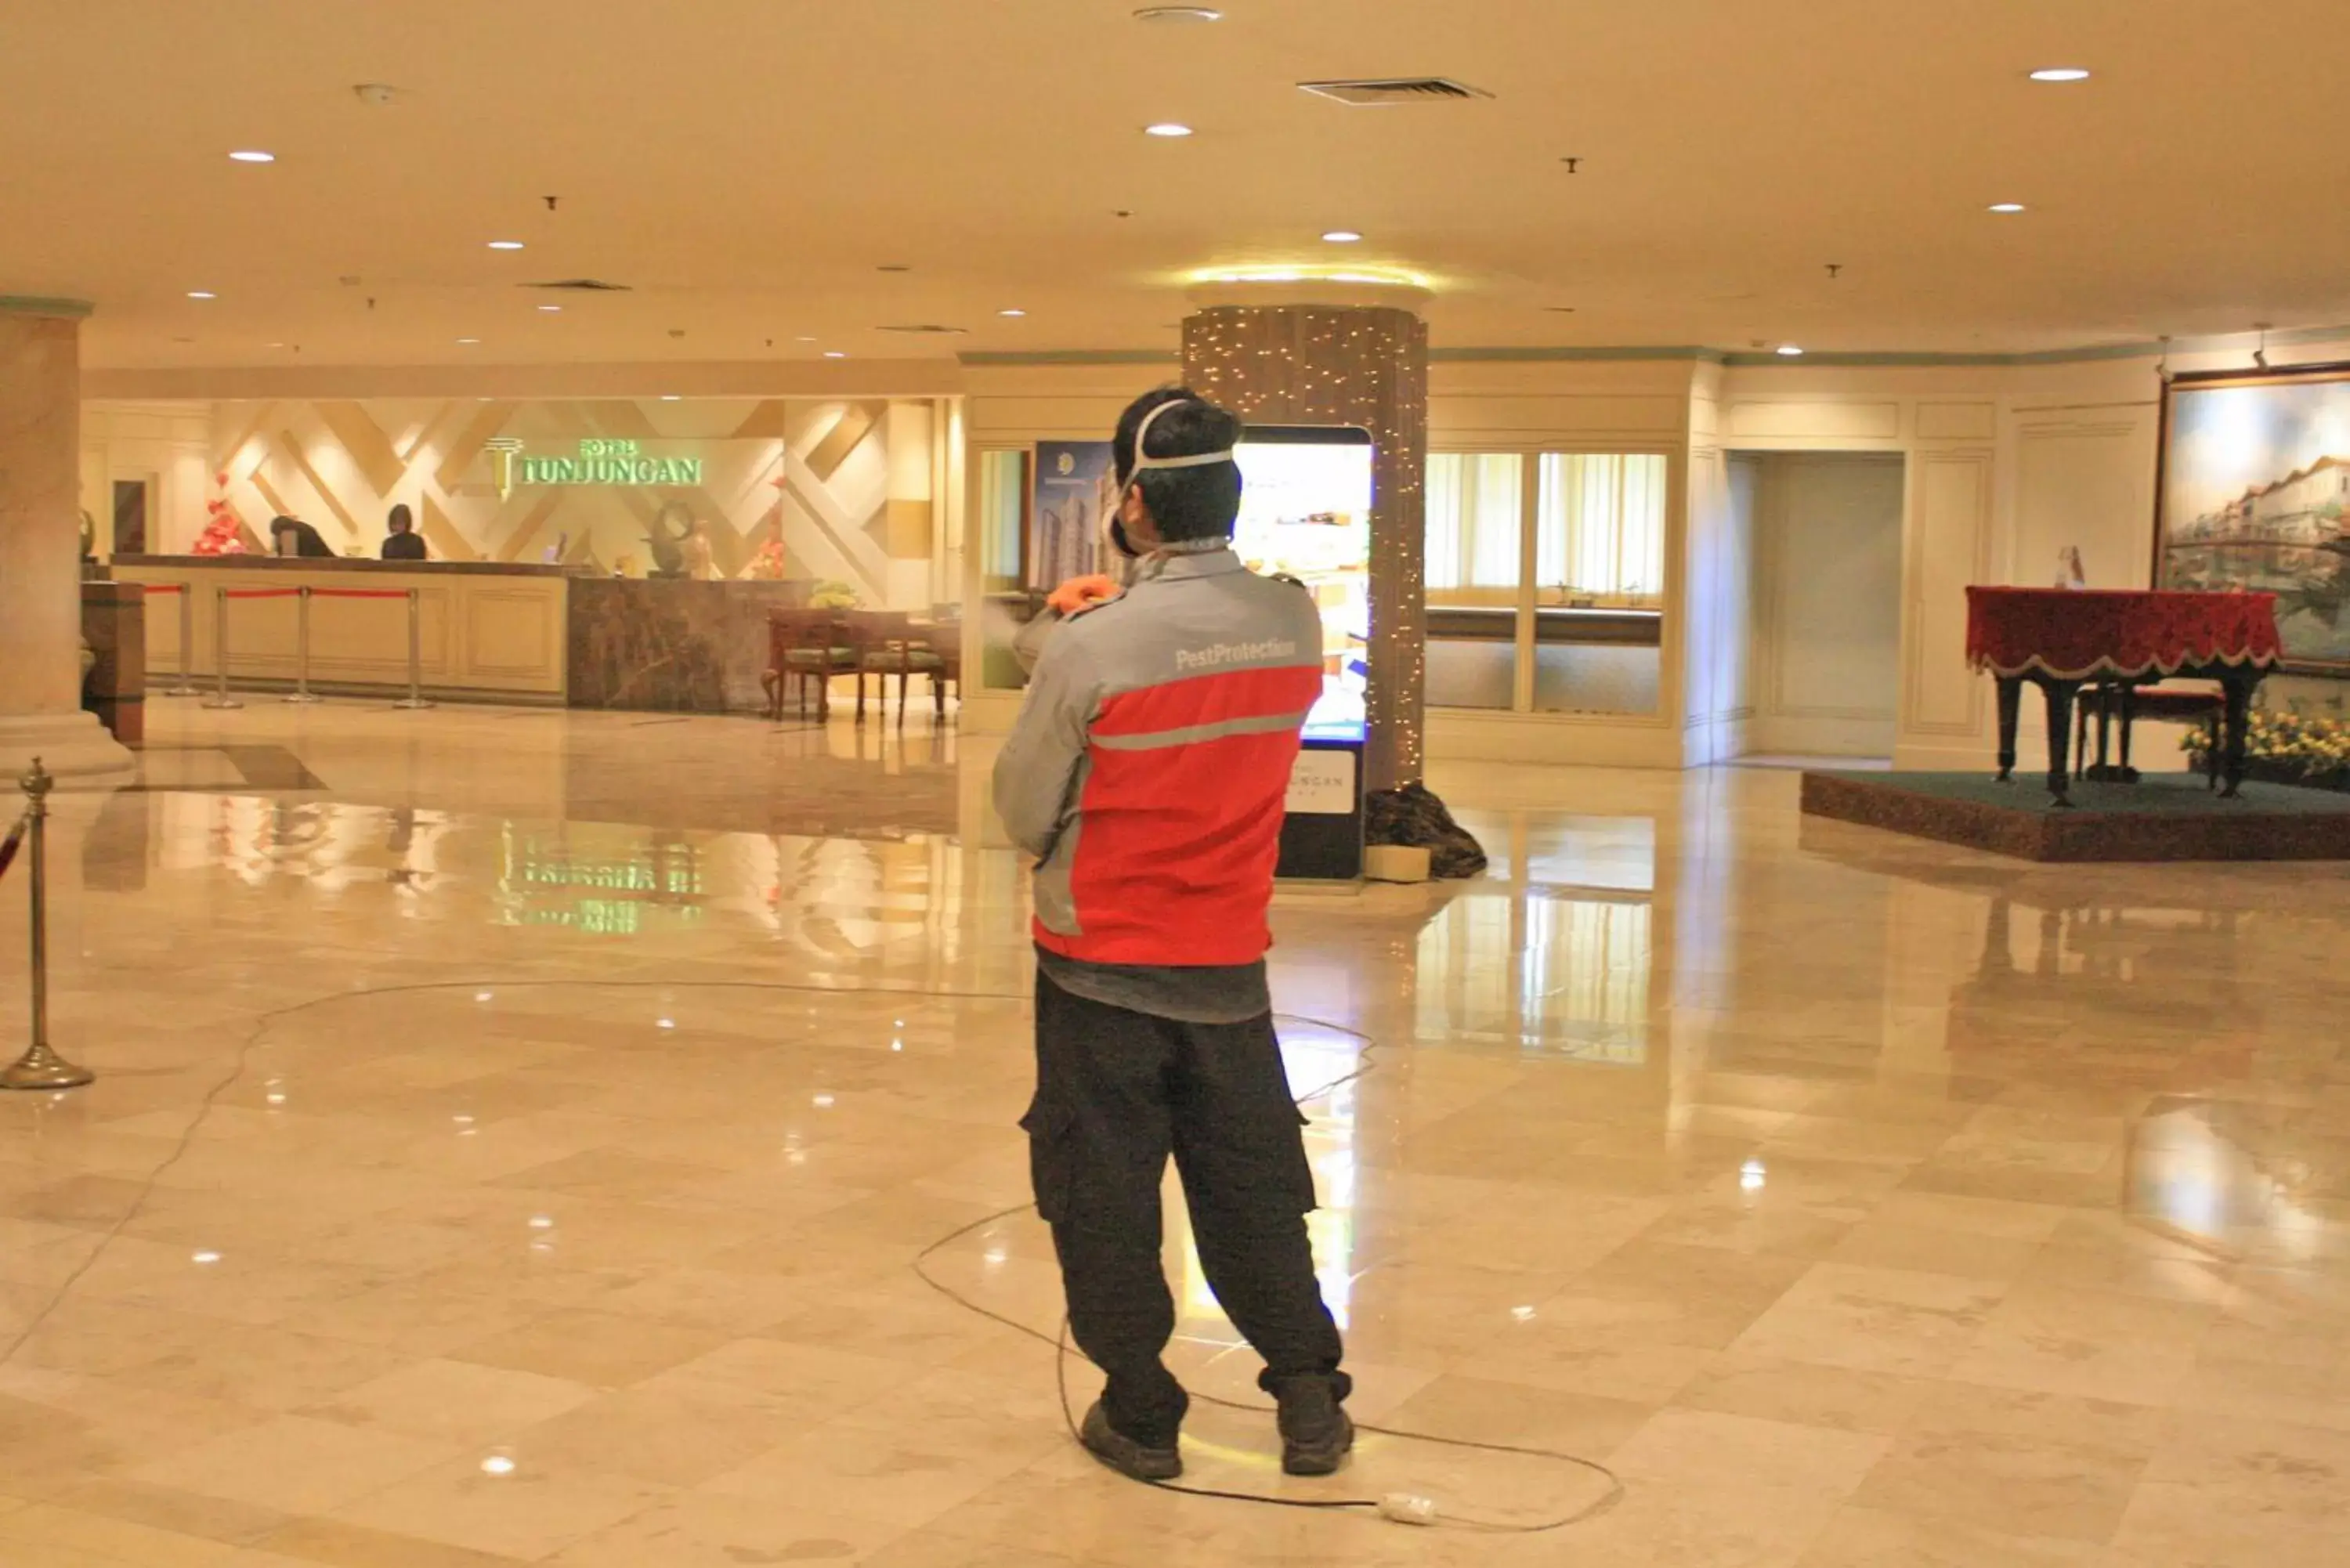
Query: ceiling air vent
{"x": 927, "y": 327}
{"x": 583, "y": 285}
{"x": 1378, "y": 91}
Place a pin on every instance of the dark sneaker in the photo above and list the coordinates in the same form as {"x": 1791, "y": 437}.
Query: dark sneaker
{"x": 1316, "y": 1431}
{"x": 1123, "y": 1454}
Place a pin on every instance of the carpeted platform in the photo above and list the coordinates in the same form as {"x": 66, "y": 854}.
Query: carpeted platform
{"x": 2165, "y": 816}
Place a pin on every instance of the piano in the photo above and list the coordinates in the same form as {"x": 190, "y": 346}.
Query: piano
{"x": 2061, "y": 639}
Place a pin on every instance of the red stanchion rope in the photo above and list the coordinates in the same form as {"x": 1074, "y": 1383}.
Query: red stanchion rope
{"x": 163, "y": 588}
{"x": 9, "y": 846}
{"x": 358, "y": 593}
{"x": 265, "y": 593}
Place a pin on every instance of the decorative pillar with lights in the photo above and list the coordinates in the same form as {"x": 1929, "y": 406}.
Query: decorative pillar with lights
{"x": 1339, "y": 353}
{"x": 40, "y": 546}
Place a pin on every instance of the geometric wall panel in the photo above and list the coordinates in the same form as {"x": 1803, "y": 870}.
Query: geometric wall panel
{"x": 813, "y": 472}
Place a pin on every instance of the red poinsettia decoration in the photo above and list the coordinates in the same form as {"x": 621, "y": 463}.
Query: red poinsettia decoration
{"x": 220, "y": 535}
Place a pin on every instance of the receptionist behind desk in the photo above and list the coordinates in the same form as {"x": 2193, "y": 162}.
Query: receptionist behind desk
{"x": 403, "y": 543}
{"x": 292, "y": 536}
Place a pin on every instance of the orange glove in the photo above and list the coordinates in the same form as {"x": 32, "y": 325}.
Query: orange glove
{"x": 1082, "y": 594}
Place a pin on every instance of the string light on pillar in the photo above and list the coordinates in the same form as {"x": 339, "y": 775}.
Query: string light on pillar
{"x": 1348, "y": 365}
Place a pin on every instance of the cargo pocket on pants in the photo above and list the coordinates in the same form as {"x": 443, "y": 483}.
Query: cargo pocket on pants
{"x": 1052, "y": 1157}
{"x": 1301, "y": 1174}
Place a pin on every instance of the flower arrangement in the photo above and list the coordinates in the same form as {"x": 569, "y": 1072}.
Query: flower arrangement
{"x": 833, "y": 597}
{"x": 767, "y": 565}
{"x": 2297, "y": 745}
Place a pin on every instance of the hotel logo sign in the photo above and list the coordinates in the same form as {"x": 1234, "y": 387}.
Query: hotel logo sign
{"x": 599, "y": 461}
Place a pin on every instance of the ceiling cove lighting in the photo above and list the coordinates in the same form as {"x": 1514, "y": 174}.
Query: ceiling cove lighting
{"x": 1342, "y": 237}
{"x": 1167, "y": 128}
{"x": 1790, "y": 351}
{"x": 253, "y": 155}
{"x": 550, "y": 309}
{"x": 1381, "y": 277}
{"x": 1013, "y": 312}
{"x": 467, "y": 342}
{"x": 506, "y": 244}
{"x": 202, "y": 293}
{"x": 2007, "y": 206}
{"x": 2060, "y": 74}
{"x": 834, "y": 354}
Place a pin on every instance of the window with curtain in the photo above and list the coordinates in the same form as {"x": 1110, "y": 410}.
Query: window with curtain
{"x": 1599, "y": 532}
{"x": 1563, "y": 618}
{"x": 1473, "y": 526}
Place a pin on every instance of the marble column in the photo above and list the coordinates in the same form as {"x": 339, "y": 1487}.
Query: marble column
{"x": 40, "y": 549}
{"x": 1346, "y": 363}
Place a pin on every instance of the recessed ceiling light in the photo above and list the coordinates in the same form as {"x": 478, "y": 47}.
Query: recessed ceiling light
{"x": 834, "y": 354}
{"x": 2060, "y": 74}
{"x": 1790, "y": 351}
{"x": 506, "y": 244}
{"x": 2007, "y": 206}
{"x": 550, "y": 309}
{"x": 668, "y": 398}
{"x": 254, "y": 155}
{"x": 202, "y": 293}
{"x": 1342, "y": 237}
{"x": 469, "y": 340}
{"x": 1167, "y": 128}
{"x": 1011, "y": 311}
{"x": 804, "y": 338}
{"x": 277, "y": 345}
{"x": 1179, "y": 13}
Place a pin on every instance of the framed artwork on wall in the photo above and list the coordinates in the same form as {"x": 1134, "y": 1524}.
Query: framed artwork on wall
{"x": 2252, "y": 491}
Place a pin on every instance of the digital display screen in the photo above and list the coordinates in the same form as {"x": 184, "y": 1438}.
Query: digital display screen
{"x": 1305, "y": 513}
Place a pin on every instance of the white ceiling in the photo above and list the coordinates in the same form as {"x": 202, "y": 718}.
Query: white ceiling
{"x": 748, "y": 164}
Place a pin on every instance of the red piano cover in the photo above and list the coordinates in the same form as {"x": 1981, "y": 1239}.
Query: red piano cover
{"x": 2075, "y": 634}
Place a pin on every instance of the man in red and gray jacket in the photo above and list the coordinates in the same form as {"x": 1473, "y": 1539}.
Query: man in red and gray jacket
{"x": 1146, "y": 776}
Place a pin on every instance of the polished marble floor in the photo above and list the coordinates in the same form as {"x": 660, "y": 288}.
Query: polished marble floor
{"x": 530, "y": 1138}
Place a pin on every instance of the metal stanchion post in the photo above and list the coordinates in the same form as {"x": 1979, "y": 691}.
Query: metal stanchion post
{"x": 301, "y": 693}
{"x": 186, "y": 684}
{"x": 415, "y": 698}
{"x": 219, "y": 697}
{"x": 40, "y": 1067}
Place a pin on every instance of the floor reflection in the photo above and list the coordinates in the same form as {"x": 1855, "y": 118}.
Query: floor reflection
{"x": 2234, "y": 1178}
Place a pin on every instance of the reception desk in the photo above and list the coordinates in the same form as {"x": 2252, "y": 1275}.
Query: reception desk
{"x": 673, "y": 645}
{"x": 487, "y": 631}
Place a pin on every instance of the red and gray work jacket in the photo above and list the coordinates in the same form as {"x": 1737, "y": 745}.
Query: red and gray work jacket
{"x": 1147, "y": 770}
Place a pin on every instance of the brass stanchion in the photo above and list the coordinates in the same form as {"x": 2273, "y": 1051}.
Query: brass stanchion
{"x": 40, "y": 1067}
{"x": 301, "y": 693}
{"x": 415, "y": 698}
{"x": 219, "y": 697}
{"x": 185, "y": 686}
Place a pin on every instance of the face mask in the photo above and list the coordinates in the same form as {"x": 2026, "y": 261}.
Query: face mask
{"x": 1143, "y": 463}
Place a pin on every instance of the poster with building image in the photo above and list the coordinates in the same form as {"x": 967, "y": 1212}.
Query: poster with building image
{"x": 2254, "y": 493}
{"x": 1072, "y": 488}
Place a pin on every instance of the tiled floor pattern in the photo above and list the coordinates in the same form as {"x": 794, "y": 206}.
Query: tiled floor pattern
{"x": 517, "y": 1134}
